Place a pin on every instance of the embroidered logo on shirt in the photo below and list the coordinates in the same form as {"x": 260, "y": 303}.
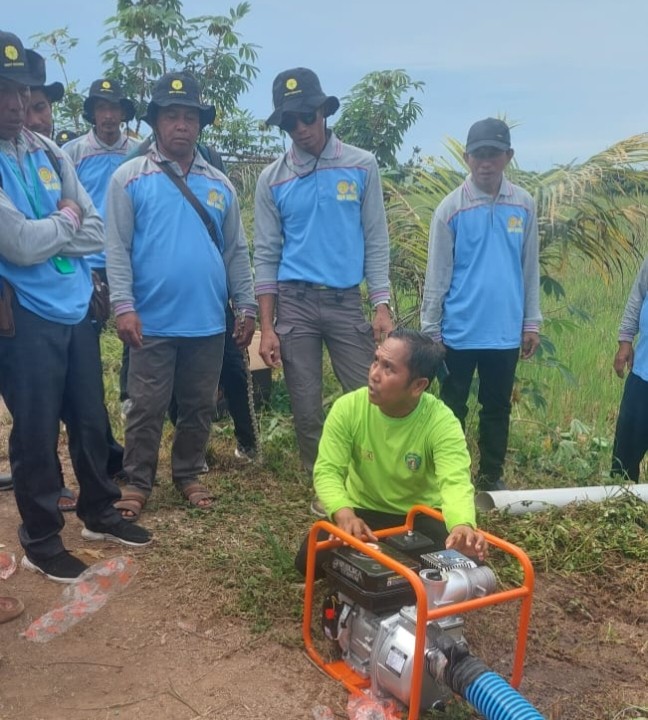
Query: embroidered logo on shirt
{"x": 216, "y": 200}
{"x": 347, "y": 191}
{"x": 49, "y": 179}
{"x": 413, "y": 461}
{"x": 367, "y": 454}
{"x": 515, "y": 224}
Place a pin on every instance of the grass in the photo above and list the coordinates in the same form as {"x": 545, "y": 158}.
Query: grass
{"x": 238, "y": 556}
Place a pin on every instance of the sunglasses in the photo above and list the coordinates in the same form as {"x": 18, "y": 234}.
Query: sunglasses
{"x": 289, "y": 120}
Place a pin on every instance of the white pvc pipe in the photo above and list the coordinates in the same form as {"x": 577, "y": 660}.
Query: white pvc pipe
{"x": 518, "y": 502}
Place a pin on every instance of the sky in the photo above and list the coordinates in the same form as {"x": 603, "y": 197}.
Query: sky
{"x": 569, "y": 74}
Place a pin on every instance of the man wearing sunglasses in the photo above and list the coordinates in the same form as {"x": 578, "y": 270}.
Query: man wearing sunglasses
{"x": 481, "y": 290}
{"x": 320, "y": 230}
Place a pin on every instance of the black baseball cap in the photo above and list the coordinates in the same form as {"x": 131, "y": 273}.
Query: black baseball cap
{"x": 54, "y": 91}
{"x": 299, "y": 90}
{"x": 178, "y": 88}
{"x": 490, "y": 132}
{"x": 17, "y": 64}
{"x": 110, "y": 90}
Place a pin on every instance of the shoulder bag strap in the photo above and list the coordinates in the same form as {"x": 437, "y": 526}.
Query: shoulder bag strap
{"x": 212, "y": 228}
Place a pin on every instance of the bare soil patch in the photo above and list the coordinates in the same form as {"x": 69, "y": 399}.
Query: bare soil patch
{"x": 173, "y": 646}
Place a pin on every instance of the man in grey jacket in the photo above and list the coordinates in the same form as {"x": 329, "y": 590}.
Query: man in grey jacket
{"x": 481, "y": 290}
{"x": 170, "y": 278}
{"x": 320, "y": 230}
{"x": 49, "y": 356}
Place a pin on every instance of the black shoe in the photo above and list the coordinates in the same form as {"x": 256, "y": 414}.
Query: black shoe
{"x": 62, "y": 568}
{"x": 6, "y": 482}
{"x": 485, "y": 484}
{"x": 123, "y": 532}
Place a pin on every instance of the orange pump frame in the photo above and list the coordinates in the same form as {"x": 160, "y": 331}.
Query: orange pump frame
{"x": 354, "y": 682}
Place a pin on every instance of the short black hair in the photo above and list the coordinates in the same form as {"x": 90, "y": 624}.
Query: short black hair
{"x": 426, "y": 356}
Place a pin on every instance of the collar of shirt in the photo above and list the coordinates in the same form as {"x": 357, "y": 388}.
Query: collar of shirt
{"x": 474, "y": 193}
{"x": 97, "y": 144}
{"x": 198, "y": 161}
{"x": 331, "y": 151}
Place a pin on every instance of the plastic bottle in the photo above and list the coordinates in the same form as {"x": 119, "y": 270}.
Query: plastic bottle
{"x": 92, "y": 591}
{"x": 368, "y": 707}
{"x": 7, "y": 565}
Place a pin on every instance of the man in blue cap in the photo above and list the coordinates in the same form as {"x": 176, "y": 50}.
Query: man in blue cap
{"x": 47, "y": 225}
{"x": 320, "y": 230}
{"x": 481, "y": 295}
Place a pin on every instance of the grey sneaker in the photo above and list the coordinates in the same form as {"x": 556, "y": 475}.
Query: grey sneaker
{"x": 317, "y": 508}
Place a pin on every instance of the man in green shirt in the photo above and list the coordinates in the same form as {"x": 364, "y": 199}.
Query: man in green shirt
{"x": 391, "y": 445}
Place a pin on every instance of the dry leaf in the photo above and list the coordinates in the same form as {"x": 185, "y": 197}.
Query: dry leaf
{"x": 96, "y": 554}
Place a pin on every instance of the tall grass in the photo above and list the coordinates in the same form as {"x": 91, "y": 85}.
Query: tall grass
{"x": 572, "y": 436}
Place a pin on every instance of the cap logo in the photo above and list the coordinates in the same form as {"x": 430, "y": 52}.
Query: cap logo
{"x": 176, "y": 84}
{"x": 291, "y": 84}
{"x": 105, "y": 85}
{"x": 11, "y": 52}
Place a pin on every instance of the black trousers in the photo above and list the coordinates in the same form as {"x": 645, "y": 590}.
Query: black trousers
{"x": 631, "y": 436}
{"x": 51, "y": 372}
{"x": 426, "y": 525}
{"x": 496, "y": 372}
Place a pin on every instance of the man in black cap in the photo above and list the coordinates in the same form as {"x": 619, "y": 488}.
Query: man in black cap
{"x": 320, "y": 230}
{"x": 39, "y": 113}
{"x": 47, "y": 225}
{"x": 176, "y": 250}
{"x": 98, "y": 153}
{"x": 481, "y": 295}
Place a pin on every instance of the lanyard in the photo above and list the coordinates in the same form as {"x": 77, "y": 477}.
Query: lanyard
{"x": 33, "y": 198}
{"x": 63, "y": 265}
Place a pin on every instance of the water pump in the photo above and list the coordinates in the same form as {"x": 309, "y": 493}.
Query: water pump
{"x": 395, "y": 612}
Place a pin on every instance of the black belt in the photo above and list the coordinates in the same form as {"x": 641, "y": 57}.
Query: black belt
{"x": 315, "y": 286}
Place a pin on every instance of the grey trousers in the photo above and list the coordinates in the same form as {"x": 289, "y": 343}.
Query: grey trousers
{"x": 307, "y": 319}
{"x": 189, "y": 368}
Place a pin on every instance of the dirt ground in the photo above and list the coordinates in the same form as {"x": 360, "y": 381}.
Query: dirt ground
{"x": 150, "y": 655}
{"x": 142, "y": 657}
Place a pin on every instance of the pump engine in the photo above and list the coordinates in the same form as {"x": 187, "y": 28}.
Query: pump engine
{"x": 370, "y": 613}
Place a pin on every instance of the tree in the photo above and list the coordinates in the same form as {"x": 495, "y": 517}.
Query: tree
{"x": 59, "y": 43}
{"x": 375, "y": 116}
{"x": 147, "y": 38}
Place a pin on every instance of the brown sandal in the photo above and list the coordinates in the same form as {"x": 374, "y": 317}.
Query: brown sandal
{"x": 196, "y": 494}
{"x": 131, "y": 504}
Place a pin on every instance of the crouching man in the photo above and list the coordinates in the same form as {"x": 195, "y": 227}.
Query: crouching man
{"x": 391, "y": 445}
